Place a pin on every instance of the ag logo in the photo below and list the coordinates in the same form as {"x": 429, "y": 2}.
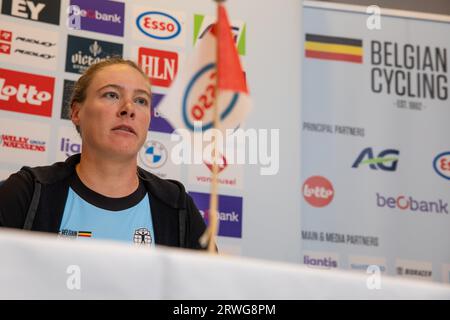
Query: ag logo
{"x": 441, "y": 164}
{"x": 142, "y": 237}
{"x": 153, "y": 154}
{"x": 198, "y": 99}
{"x": 158, "y": 25}
{"x": 387, "y": 159}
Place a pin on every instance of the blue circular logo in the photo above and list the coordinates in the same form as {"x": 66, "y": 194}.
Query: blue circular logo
{"x": 188, "y": 91}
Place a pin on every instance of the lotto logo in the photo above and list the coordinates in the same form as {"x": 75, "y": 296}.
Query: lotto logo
{"x": 318, "y": 191}
{"x": 26, "y": 93}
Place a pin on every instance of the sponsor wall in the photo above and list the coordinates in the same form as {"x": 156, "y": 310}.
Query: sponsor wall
{"x": 375, "y": 150}
{"x": 45, "y": 46}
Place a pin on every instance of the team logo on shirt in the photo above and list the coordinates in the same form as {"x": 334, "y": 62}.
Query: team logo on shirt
{"x": 142, "y": 237}
{"x": 66, "y": 233}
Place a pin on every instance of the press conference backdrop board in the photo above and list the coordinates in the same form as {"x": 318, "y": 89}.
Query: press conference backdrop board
{"x": 41, "y": 57}
{"x": 375, "y": 150}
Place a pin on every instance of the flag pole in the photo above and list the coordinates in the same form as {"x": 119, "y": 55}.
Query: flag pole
{"x": 211, "y": 232}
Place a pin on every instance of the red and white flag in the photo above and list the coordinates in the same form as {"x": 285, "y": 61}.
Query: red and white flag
{"x": 215, "y": 61}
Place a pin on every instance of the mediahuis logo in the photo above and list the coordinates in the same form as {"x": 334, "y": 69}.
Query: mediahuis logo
{"x": 203, "y": 23}
{"x": 153, "y": 154}
{"x": 26, "y": 93}
{"x": 83, "y": 52}
{"x": 230, "y": 213}
{"x": 386, "y": 160}
{"x": 35, "y": 10}
{"x": 160, "y": 66}
{"x": 100, "y": 16}
{"x": 25, "y": 143}
{"x": 318, "y": 191}
{"x": 333, "y": 48}
{"x": 410, "y": 71}
{"x": 160, "y": 26}
{"x": 441, "y": 164}
{"x": 405, "y": 203}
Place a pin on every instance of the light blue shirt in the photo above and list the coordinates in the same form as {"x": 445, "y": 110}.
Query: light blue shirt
{"x": 84, "y": 220}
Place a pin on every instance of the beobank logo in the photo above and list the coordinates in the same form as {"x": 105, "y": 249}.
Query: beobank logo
{"x": 318, "y": 191}
{"x": 441, "y": 165}
{"x": 158, "y": 25}
{"x": 412, "y": 204}
{"x": 26, "y": 93}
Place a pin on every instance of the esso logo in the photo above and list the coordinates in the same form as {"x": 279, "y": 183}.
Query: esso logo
{"x": 318, "y": 191}
{"x": 158, "y": 25}
{"x": 198, "y": 99}
{"x": 441, "y": 164}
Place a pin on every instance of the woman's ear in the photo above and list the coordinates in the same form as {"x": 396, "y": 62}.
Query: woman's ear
{"x": 75, "y": 113}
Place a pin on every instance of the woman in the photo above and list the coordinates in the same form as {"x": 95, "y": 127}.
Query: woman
{"x": 102, "y": 193}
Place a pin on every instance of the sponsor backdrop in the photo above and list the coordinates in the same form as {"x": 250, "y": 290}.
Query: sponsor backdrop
{"x": 375, "y": 150}
{"x": 45, "y": 46}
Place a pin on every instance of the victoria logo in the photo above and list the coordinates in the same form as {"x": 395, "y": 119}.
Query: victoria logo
{"x": 441, "y": 165}
{"x": 199, "y": 97}
{"x": 318, "y": 191}
{"x": 158, "y": 25}
{"x": 153, "y": 154}
{"x": 386, "y": 160}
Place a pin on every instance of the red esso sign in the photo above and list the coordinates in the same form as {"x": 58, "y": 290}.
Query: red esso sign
{"x": 158, "y": 25}
{"x": 318, "y": 191}
{"x": 26, "y": 93}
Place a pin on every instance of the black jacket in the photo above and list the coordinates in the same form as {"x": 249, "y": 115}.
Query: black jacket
{"x": 34, "y": 199}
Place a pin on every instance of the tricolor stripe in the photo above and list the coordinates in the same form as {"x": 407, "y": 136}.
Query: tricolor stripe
{"x": 86, "y": 234}
{"x": 333, "y": 48}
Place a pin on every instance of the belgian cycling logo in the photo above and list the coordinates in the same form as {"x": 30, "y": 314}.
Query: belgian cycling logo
{"x": 386, "y": 160}
{"x": 153, "y": 154}
{"x": 333, "y": 48}
{"x": 142, "y": 237}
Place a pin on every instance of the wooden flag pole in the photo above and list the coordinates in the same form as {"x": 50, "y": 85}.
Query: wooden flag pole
{"x": 211, "y": 232}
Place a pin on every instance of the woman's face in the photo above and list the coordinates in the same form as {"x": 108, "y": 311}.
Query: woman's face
{"x": 115, "y": 116}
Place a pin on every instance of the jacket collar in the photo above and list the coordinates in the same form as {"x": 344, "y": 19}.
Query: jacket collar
{"x": 170, "y": 192}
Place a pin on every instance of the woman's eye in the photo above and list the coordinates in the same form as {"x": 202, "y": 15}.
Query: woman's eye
{"x": 142, "y": 101}
{"x": 111, "y": 95}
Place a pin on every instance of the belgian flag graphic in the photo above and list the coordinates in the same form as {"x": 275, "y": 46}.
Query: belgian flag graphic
{"x": 333, "y": 48}
{"x": 85, "y": 234}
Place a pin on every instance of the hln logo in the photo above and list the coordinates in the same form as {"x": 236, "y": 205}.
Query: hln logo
{"x": 160, "y": 66}
{"x": 386, "y": 160}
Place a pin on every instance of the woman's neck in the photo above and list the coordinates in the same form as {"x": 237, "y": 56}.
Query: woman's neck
{"x": 111, "y": 178}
